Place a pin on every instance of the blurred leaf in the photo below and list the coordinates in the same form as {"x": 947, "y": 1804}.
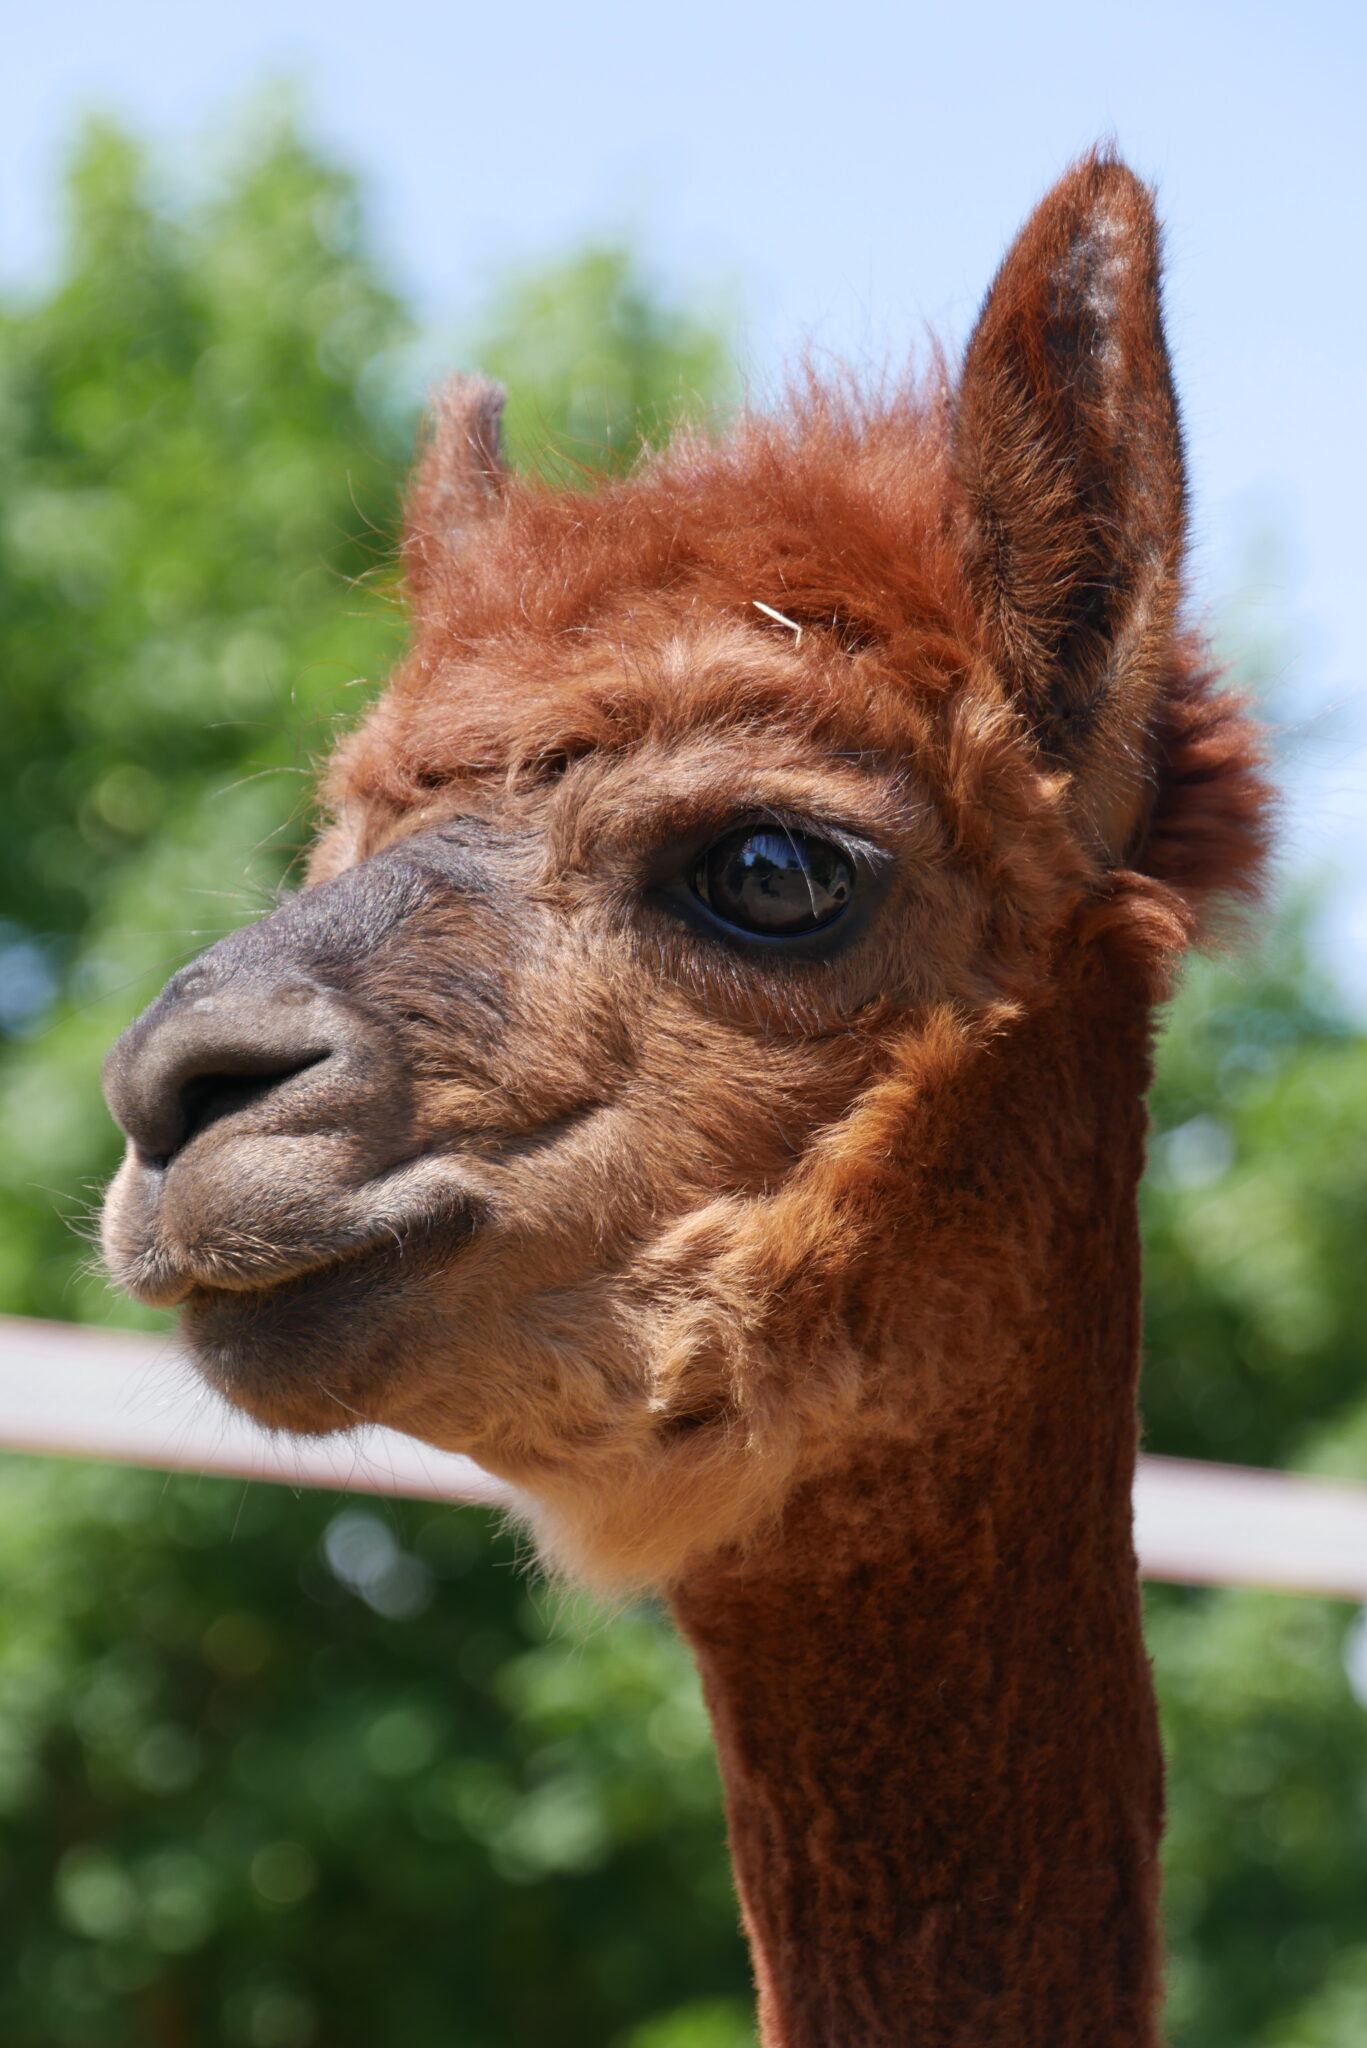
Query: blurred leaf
{"x": 595, "y": 365}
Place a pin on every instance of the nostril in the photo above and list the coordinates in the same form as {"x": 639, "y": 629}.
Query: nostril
{"x": 206, "y": 1098}
{"x": 207, "y": 1051}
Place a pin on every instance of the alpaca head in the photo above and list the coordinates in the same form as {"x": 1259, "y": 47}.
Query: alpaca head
{"x": 715, "y": 820}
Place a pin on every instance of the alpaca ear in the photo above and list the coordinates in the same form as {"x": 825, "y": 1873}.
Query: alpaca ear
{"x": 1068, "y": 453}
{"x": 459, "y": 479}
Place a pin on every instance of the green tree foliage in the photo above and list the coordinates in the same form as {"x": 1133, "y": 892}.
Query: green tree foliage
{"x": 288, "y": 1771}
{"x": 307, "y": 1773}
{"x": 1255, "y": 1212}
{"x": 595, "y": 364}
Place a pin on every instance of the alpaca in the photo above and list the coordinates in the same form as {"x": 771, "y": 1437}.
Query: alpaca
{"x": 703, "y": 1080}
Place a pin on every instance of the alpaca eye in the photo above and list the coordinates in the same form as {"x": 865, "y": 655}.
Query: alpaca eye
{"x": 773, "y": 881}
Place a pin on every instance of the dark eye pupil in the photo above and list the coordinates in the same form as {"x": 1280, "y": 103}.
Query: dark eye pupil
{"x": 770, "y": 880}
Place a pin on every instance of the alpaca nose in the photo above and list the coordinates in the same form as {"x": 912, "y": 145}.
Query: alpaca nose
{"x": 211, "y": 1048}
{"x": 268, "y": 1033}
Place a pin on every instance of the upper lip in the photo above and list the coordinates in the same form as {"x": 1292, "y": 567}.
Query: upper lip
{"x": 173, "y": 1282}
{"x": 399, "y": 1214}
{"x": 387, "y": 1245}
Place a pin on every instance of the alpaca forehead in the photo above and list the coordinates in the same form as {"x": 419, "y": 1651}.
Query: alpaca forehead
{"x": 711, "y": 691}
{"x": 659, "y": 677}
{"x": 672, "y": 788}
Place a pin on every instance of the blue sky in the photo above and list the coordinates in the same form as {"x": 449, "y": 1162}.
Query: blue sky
{"x": 852, "y": 175}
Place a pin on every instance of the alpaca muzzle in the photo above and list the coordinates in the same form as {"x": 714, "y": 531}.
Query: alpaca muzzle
{"x": 269, "y": 1106}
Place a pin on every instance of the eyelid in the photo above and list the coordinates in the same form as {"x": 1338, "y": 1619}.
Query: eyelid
{"x": 679, "y": 854}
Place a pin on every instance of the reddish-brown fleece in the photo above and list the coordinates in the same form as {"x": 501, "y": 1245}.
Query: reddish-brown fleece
{"x": 932, "y": 1703}
{"x": 806, "y": 1291}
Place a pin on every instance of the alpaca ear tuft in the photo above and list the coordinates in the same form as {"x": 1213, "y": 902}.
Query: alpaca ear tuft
{"x": 460, "y": 477}
{"x": 1068, "y": 455}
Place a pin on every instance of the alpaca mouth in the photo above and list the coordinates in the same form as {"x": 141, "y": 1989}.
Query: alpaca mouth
{"x": 324, "y": 1349}
{"x": 247, "y": 1214}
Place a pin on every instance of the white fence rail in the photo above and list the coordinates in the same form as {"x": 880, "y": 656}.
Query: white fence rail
{"x": 83, "y": 1393}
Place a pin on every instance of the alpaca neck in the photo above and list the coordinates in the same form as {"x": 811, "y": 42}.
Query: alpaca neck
{"x": 932, "y": 1704}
